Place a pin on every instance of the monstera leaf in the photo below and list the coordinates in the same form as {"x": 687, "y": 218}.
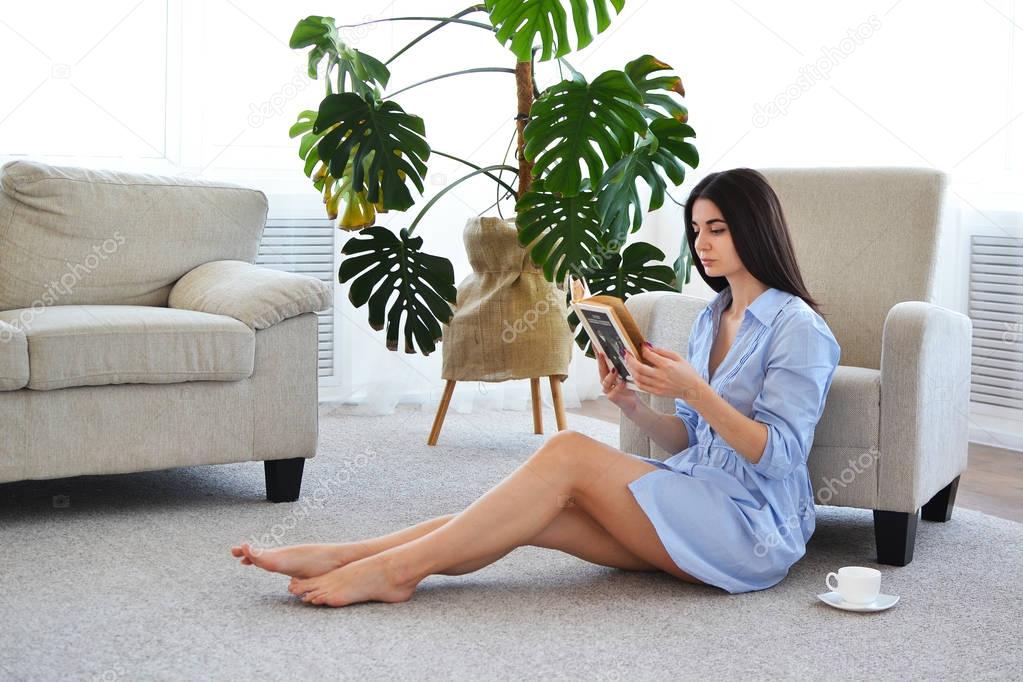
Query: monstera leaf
{"x": 573, "y": 116}
{"x": 359, "y": 212}
{"x": 683, "y": 264}
{"x": 664, "y": 150}
{"x": 624, "y": 275}
{"x": 382, "y": 135}
{"x": 521, "y": 22}
{"x": 320, "y": 33}
{"x": 638, "y": 69}
{"x": 381, "y": 264}
{"x": 566, "y": 231}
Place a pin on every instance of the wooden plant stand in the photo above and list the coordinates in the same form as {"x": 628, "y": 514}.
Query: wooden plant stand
{"x": 534, "y": 388}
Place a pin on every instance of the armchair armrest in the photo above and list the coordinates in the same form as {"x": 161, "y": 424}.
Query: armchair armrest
{"x": 665, "y": 318}
{"x": 925, "y": 403}
{"x": 259, "y": 297}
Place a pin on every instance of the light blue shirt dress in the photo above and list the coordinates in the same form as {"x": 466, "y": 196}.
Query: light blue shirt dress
{"x": 730, "y": 523}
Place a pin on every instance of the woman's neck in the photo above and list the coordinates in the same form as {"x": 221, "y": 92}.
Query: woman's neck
{"x": 745, "y": 289}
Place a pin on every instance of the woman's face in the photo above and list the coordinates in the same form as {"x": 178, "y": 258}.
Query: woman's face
{"x": 713, "y": 241}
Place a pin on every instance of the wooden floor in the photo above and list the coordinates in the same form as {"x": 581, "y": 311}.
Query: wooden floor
{"x": 993, "y": 482}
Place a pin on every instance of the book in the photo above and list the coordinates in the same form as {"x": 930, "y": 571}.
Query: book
{"x": 610, "y": 326}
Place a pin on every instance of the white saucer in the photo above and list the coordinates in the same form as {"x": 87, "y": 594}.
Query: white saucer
{"x": 882, "y": 602}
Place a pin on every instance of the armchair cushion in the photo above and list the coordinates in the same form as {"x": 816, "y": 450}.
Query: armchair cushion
{"x": 13, "y": 358}
{"x": 95, "y": 345}
{"x": 852, "y": 415}
{"x": 257, "y": 296}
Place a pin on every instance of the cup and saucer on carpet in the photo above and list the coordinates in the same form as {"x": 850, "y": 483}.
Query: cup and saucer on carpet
{"x": 857, "y": 588}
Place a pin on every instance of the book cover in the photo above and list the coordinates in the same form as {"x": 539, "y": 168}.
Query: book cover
{"x": 610, "y": 326}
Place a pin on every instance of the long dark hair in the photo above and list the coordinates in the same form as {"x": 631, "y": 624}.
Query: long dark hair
{"x": 759, "y": 231}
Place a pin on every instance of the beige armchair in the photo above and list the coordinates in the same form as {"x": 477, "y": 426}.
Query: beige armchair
{"x": 894, "y": 433}
{"x": 136, "y": 334}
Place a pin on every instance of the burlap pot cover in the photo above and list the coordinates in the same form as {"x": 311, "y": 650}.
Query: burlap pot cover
{"x": 509, "y": 322}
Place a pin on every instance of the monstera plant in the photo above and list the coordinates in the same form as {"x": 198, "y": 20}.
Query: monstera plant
{"x": 583, "y": 148}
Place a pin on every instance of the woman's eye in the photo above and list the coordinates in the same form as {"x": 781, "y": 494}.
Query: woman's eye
{"x": 716, "y": 231}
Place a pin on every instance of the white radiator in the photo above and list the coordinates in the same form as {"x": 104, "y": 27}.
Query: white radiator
{"x": 306, "y": 246}
{"x": 996, "y": 308}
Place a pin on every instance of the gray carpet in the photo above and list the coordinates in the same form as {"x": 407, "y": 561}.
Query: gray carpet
{"x": 129, "y": 577}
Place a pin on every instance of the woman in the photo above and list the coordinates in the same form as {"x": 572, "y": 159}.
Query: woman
{"x": 733, "y": 508}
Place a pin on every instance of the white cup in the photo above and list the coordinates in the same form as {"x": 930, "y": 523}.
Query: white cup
{"x": 856, "y": 584}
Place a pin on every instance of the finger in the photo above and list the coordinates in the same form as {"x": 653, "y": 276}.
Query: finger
{"x": 602, "y": 364}
{"x": 663, "y": 352}
{"x": 638, "y": 368}
{"x": 652, "y": 357}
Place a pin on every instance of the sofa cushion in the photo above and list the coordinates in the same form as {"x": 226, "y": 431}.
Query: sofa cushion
{"x": 13, "y": 358}
{"x": 94, "y": 345}
{"x": 260, "y": 297}
{"x": 78, "y": 236}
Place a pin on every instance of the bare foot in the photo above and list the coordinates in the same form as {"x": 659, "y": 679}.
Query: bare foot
{"x": 300, "y": 561}
{"x": 375, "y": 578}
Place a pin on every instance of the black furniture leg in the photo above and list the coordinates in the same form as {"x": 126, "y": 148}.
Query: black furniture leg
{"x": 939, "y": 508}
{"x": 283, "y": 479}
{"x": 895, "y": 535}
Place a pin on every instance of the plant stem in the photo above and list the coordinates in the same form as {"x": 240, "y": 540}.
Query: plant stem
{"x": 436, "y": 197}
{"x": 421, "y": 36}
{"x": 470, "y": 164}
{"x": 477, "y": 24}
{"x": 482, "y": 69}
{"x": 524, "y": 96}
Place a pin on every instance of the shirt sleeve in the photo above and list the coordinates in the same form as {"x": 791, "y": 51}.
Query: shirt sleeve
{"x": 800, "y": 366}
{"x": 683, "y": 411}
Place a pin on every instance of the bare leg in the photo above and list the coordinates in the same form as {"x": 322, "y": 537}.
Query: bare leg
{"x": 307, "y": 561}
{"x": 574, "y": 532}
{"x": 569, "y": 468}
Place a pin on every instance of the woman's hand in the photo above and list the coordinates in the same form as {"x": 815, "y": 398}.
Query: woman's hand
{"x": 614, "y": 386}
{"x": 668, "y": 374}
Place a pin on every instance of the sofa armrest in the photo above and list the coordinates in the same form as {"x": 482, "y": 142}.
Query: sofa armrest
{"x": 259, "y": 297}
{"x": 665, "y": 318}
{"x": 925, "y": 403}
{"x": 13, "y": 357}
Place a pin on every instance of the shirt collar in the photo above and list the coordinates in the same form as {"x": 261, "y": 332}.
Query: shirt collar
{"x": 765, "y": 307}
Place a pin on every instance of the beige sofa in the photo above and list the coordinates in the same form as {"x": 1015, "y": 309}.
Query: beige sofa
{"x": 894, "y": 433}
{"x": 135, "y": 333}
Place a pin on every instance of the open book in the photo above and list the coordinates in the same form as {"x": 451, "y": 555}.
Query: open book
{"x": 611, "y": 327}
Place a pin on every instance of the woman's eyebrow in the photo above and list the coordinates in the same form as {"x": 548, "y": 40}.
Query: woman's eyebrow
{"x": 712, "y": 220}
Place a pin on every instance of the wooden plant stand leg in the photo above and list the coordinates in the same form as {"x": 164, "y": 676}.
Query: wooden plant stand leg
{"x": 559, "y": 405}
{"x": 534, "y": 389}
{"x": 442, "y": 410}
